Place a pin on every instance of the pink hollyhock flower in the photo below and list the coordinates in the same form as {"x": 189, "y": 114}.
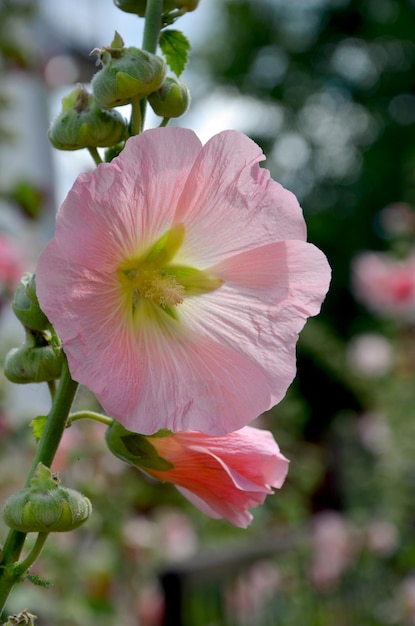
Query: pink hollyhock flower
{"x": 178, "y": 280}
{"x": 386, "y": 285}
{"x": 222, "y": 476}
{"x": 11, "y": 265}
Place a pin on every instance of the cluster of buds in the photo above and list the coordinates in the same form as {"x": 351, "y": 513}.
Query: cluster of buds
{"x": 128, "y": 74}
{"x": 39, "y": 359}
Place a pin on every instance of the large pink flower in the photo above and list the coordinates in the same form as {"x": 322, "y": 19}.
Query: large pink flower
{"x": 178, "y": 280}
{"x": 222, "y": 476}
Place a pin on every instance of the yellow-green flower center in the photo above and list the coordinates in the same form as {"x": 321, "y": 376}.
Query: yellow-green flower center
{"x": 153, "y": 278}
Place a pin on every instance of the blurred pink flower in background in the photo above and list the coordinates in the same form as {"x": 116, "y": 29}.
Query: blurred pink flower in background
{"x": 385, "y": 285}
{"x": 222, "y": 476}
{"x": 334, "y": 548}
{"x": 178, "y": 280}
{"x": 382, "y": 537}
{"x": 11, "y": 265}
{"x": 370, "y": 355}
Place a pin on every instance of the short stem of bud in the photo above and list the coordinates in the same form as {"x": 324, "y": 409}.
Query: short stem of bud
{"x": 95, "y": 155}
{"x": 21, "y": 568}
{"x": 136, "y": 117}
{"x": 98, "y": 417}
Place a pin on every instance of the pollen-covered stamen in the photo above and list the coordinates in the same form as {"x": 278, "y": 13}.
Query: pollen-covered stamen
{"x": 162, "y": 289}
{"x": 154, "y": 277}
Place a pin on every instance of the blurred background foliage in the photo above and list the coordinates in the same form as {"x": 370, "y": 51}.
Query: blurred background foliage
{"x": 327, "y": 88}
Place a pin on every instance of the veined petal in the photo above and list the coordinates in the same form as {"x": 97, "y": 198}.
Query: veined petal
{"x": 267, "y": 295}
{"x": 207, "y": 477}
{"x": 223, "y": 476}
{"x": 121, "y": 208}
{"x": 230, "y": 204}
{"x": 199, "y": 383}
{"x": 175, "y": 379}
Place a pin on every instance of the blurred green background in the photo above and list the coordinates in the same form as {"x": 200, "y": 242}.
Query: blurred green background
{"x": 327, "y": 88}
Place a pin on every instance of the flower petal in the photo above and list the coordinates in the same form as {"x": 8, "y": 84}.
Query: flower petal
{"x": 199, "y": 385}
{"x": 267, "y": 295}
{"x": 230, "y": 204}
{"x": 121, "y": 207}
{"x": 223, "y": 476}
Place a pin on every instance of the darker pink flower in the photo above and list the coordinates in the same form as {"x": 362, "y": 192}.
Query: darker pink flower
{"x": 222, "y": 476}
{"x": 178, "y": 280}
{"x": 386, "y": 285}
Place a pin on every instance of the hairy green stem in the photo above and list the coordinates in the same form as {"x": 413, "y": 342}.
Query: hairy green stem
{"x": 45, "y": 453}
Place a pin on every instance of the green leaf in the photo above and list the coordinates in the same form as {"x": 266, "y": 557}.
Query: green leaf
{"x": 38, "y": 424}
{"x": 175, "y": 47}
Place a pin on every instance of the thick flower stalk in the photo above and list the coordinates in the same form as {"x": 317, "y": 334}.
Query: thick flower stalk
{"x": 178, "y": 280}
{"x": 222, "y": 476}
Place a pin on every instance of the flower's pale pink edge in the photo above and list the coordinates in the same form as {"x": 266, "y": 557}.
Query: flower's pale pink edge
{"x": 123, "y": 206}
{"x": 229, "y": 204}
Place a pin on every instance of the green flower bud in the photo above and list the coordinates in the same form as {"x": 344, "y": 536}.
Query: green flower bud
{"x": 171, "y": 100}
{"x": 45, "y": 506}
{"x": 26, "y": 305}
{"x": 139, "y": 6}
{"x": 82, "y": 123}
{"x": 127, "y": 74}
{"x": 33, "y": 364}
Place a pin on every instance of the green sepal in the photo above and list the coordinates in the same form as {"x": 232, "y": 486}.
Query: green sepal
{"x": 175, "y": 47}
{"x": 134, "y": 449}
